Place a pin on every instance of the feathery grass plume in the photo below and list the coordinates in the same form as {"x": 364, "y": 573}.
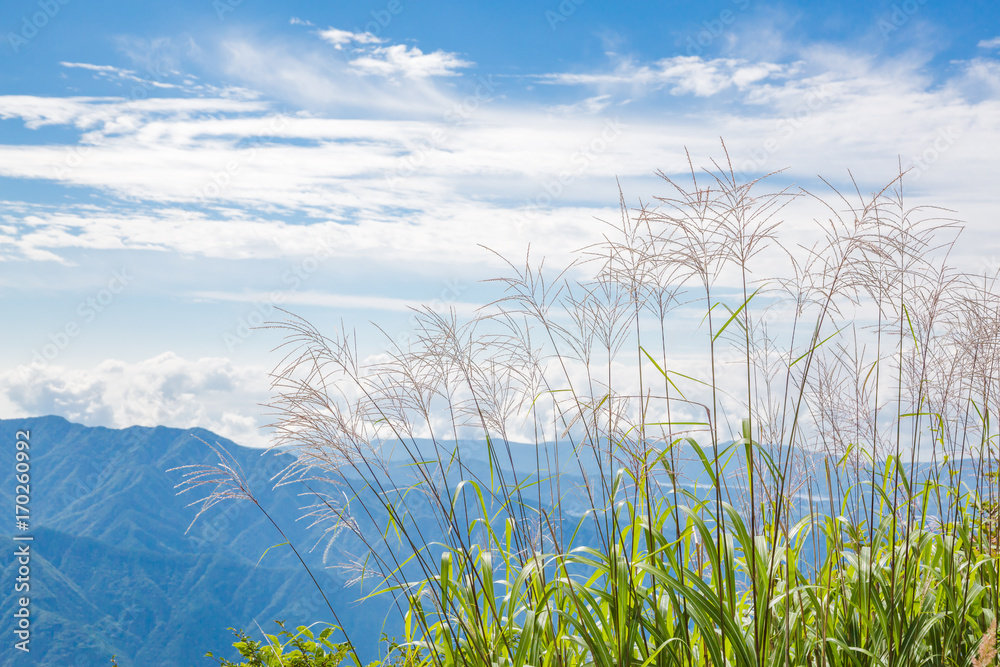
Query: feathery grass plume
{"x": 227, "y": 482}
{"x": 698, "y": 444}
{"x": 987, "y": 653}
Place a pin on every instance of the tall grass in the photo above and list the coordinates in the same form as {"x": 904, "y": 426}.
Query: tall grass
{"x": 747, "y": 452}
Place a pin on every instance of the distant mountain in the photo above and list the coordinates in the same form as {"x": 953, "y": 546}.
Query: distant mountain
{"x": 113, "y": 572}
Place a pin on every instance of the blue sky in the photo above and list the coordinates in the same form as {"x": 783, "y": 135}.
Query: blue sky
{"x": 170, "y": 172}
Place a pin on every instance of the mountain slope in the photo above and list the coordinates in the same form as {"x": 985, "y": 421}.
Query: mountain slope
{"x": 112, "y": 570}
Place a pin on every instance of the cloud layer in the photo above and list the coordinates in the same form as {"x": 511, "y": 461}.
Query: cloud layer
{"x": 389, "y": 154}
{"x": 217, "y": 174}
{"x": 167, "y": 390}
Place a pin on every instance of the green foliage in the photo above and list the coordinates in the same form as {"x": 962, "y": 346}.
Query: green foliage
{"x": 849, "y": 515}
{"x": 922, "y": 598}
{"x": 286, "y": 649}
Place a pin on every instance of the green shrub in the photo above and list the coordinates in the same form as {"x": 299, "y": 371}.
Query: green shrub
{"x": 286, "y": 649}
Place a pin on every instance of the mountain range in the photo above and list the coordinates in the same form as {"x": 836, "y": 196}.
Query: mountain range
{"x": 114, "y": 569}
{"x": 118, "y": 568}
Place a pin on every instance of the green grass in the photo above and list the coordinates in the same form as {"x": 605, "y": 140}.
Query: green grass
{"x": 844, "y": 419}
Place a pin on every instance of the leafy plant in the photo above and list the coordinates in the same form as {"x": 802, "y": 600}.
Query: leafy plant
{"x": 792, "y": 470}
{"x": 287, "y": 649}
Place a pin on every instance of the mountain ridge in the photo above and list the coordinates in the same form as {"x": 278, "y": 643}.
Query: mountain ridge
{"x": 119, "y": 568}
{"x": 115, "y": 570}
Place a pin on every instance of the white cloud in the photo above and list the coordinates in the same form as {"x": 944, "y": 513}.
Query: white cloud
{"x": 452, "y": 233}
{"x": 340, "y": 38}
{"x": 166, "y": 390}
{"x": 416, "y": 182}
{"x": 680, "y": 75}
{"x": 381, "y": 162}
{"x": 981, "y": 78}
{"x": 87, "y": 113}
{"x": 383, "y": 171}
{"x": 338, "y": 301}
{"x": 324, "y": 83}
{"x": 94, "y": 68}
{"x": 409, "y": 62}
{"x": 109, "y": 72}
{"x": 989, "y": 43}
{"x": 591, "y": 105}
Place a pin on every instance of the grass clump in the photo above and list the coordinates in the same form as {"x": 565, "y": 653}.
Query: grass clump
{"x": 741, "y": 452}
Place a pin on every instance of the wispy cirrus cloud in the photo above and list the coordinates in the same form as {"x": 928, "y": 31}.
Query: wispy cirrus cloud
{"x": 216, "y": 176}
{"x": 88, "y": 113}
{"x": 409, "y": 62}
{"x": 393, "y": 60}
{"x": 324, "y": 81}
{"x": 680, "y": 75}
{"x": 121, "y": 75}
{"x": 338, "y": 301}
{"x": 341, "y": 38}
{"x": 258, "y": 150}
